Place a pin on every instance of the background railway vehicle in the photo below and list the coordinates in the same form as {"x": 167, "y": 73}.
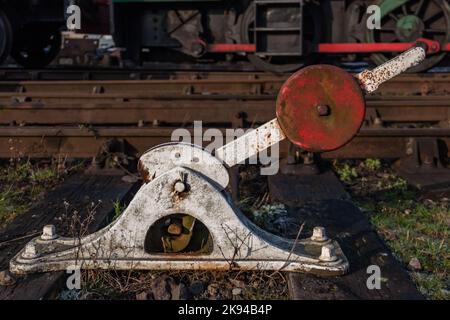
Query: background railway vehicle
{"x": 274, "y": 35}
{"x": 279, "y": 36}
{"x": 30, "y": 30}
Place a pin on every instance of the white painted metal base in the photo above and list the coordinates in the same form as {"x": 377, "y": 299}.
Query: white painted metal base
{"x": 236, "y": 241}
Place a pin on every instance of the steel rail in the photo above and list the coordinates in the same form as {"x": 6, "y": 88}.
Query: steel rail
{"x": 84, "y": 142}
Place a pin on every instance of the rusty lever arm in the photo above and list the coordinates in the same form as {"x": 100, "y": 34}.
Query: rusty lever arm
{"x": 370, "y": 80}
{"x": 270, "y": 133}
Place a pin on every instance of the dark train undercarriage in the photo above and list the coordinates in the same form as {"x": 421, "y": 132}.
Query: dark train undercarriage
{"x": 277, "y": 36}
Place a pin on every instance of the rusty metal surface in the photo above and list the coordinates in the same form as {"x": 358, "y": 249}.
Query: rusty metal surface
{"x": 320, "y": 108}
{"x": 424, "y": 164}
{"x": 78, "y": 142}
{"x": 135, "y": 81}
{"x": 251, "y": 143}
{"x": 217, "y": 109}
{"x": 177, "y": 84}
{"x": 371, "y": 80}
{"x": 76, "y": 117}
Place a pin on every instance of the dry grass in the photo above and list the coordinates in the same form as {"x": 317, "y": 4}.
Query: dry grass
{"x": 196, "y": 285}
{"x": 23, "y": 182}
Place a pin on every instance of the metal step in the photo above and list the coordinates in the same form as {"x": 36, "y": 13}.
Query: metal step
{"x": 276, "y": 23}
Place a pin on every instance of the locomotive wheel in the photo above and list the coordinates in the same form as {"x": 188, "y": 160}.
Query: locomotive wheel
{"x": 410, "y": 21}
{"x": 282, "y": 64}
{"x": 6, "y": 37}
{"x": 36, "y": 49}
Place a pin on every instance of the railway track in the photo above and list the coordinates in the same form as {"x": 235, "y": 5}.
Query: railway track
{"x": 85, "y": 142}
{"x": 74, "y": 118}
{"x": 198, "y": 82}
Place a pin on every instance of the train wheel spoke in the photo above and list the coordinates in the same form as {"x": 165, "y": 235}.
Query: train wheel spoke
{"x": 393, "y": 16}
{"x": 419, "y": 8}
{"x": 405, "y": 10}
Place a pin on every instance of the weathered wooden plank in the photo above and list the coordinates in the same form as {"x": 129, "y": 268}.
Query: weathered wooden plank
{"x": 360, "y": 243}
{"x": 81, "y": 192}
{"x": 293, "y": 190}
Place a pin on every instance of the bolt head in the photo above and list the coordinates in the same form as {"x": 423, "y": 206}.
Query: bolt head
{"x": 328, "y": 253}
{"x": 377, "y": 121}
{"x": 319, "y": 234}
{"x": 30, "y": 251}
{"x": 323, "y": 110}
{"x": 427, "y": 160}
{"x": 308, "y": 159}
{"x": 180, "y": 186}
{"x": 198, "y": 49}
{"x": 49, "y": 232}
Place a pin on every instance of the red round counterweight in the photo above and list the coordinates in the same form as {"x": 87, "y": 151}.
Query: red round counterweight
{"x": 320, "y": 108}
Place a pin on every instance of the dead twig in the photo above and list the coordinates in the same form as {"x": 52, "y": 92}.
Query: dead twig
{"x": 286, "y": 263}
{"x": 20, "y": 238}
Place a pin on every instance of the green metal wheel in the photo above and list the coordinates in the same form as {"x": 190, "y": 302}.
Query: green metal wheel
{"x": 408, "y": 20}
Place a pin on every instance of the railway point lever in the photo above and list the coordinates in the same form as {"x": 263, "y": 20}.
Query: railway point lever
{"x": 182, "y": 216}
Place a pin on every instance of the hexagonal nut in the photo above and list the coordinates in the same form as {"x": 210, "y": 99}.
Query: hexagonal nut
{"x": 319, "y": 234}
{"x": 49, "y": 232}
{"x": 30, "y": 251}
{"x": 179, "y": 186}
{"x": 328, "y": 253}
